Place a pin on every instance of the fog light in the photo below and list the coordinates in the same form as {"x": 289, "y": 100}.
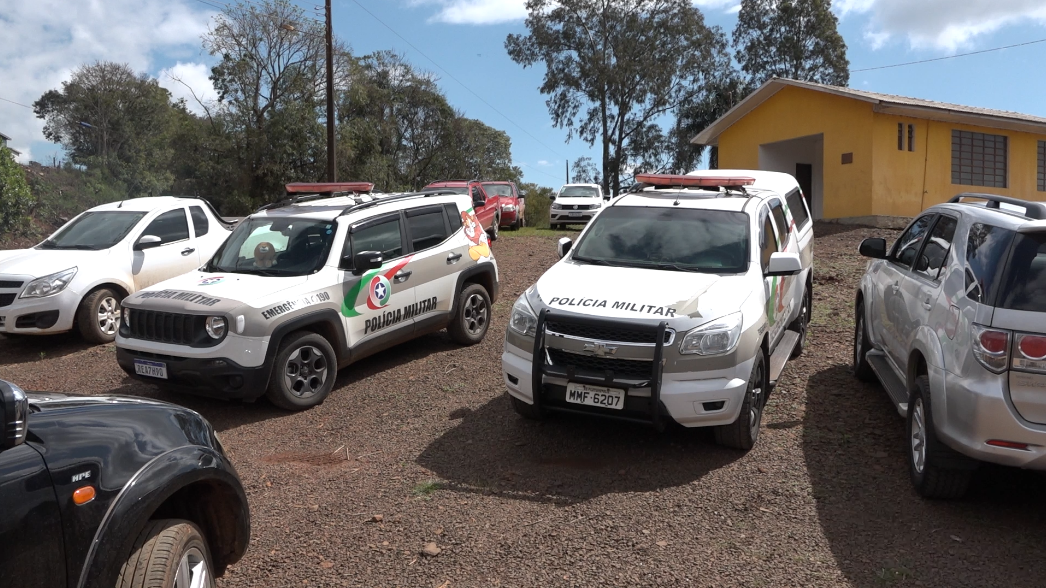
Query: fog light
{"x": 235, "y": 381}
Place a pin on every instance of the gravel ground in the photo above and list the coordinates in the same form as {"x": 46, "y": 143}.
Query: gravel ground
{"x": 420, "y": 446}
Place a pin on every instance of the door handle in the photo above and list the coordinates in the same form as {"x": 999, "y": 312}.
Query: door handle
{"x": 187, "y": 250}
{"x": 401, "y": 277}
{"x": 453, "y": 258}
{"x": 927, "y": 304}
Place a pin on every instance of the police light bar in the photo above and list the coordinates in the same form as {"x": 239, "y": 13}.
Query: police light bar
{"x": 328, "y": 188}
{"x": 671, "y": 180}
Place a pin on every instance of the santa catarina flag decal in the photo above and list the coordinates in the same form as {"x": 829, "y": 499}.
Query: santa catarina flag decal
{"x": 375, "y": 285}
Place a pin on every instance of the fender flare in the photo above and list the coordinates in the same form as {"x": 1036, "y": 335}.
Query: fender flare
{"x": 328, "y": 317}
{"x": 476, "y": 270}
{"x": 144, "y": 493}
{"x": 927, "y": 343}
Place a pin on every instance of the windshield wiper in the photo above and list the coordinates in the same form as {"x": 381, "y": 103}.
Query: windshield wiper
{"x": 76, "y": 247}
{"x": 590, "y": 260}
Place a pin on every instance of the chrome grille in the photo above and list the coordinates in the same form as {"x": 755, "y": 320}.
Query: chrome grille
{"x": 165, "y": 327}
{"x": 606, "y": 333}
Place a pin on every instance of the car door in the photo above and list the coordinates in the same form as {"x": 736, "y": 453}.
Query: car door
{"x": 891, "y": 315}
{"x": 922, "y": 286}
{"x": 481, "y": 205}
{"x": 792, "y": 289}
{"x": 175, "y": 255}
{"x": 378, "y": 302}
{"x": 31, "y": 548}
{"x": 773, "y": 285}
{"x": 207, "y": 233}
{"x": 434, "y": 264}
{"x": 802, "y": 225}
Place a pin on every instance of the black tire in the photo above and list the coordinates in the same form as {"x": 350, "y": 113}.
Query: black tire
{"x": 515, "y": 224}
{"x": 493, "y": 232}
{"x": 158, "y": 553}
{"x": 472, "y": 316}
{"x": 744, "y": 432}
{"x": 943, "y": 472}
{"x": 801, "y": 323}
{"x": 862, "y": 344}
{"x": 98, "y": 316}
{"x": 527, "y": 411}
{"x": 303, "y": 373}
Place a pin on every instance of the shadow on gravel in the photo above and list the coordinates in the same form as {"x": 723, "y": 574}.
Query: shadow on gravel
{"x": 880, "y": 532}
{"x": 565, "y": 460}
{"x": 25, "y": 349}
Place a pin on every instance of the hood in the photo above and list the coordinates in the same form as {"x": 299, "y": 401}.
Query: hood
{"x": 570, "y": 201}
{"x": 632, "y": 293}
{"x": 52, "y": 401}
{"x": 197, "y": 290}
{"x": 41, "y": 262}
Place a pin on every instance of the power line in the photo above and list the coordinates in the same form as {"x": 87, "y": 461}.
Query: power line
{"x": 949, "y": 56}
{"x": 481, "y": 99}
{"x": 18, "y": 103}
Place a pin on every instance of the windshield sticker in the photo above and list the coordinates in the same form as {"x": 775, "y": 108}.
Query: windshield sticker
{"x": 352, "y": 298}
{"x": 290, "y": 305}
{"x": 392, "y": 317}
{"x": 211, "y": 280}
{"x": 629, "y": 306}
{"x": 182, "y": 296}
{"x": 475, "y": 233}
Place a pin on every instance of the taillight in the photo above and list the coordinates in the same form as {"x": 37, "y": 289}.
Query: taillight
{"x": 1029, "y": 352}
{"x": 991, "y": 347}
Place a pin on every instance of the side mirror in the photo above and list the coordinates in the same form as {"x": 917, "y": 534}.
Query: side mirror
{"x": 14, "y": 408}
{"x": 478, "y": 199}
{"x": 784, "y": 264}
{"x": 147, "y": 242}
{"x": 874, "y": 247}
{"x": 563, "y": 247}
{"x": 366, "y": 260}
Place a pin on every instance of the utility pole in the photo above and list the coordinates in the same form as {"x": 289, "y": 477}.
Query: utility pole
{"x": 568, "y": 170}
{"x": 331, "y": 173}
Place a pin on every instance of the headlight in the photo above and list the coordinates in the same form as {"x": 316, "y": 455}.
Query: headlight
{"x": 556, "y": 206}
{"x": 127, "y": 317}
{"x": 49, "y": 285}
{"x": 715, "y": 338}
{"x": 523, "y": 320}
{"x": 508, "y": 207}
{"x": 215, "y": 327}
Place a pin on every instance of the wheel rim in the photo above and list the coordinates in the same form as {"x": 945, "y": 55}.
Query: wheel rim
{"x": 494, "y": 229}
{"x": 918, "y": 435}
{"x": 108, "y": 315}
{"x": 755, "y": 407}
{"x": 192, "y": 571}
{"x": 475, "y": 314}
{"x": 306, "y": 371}
{"x": 858, "y": 340}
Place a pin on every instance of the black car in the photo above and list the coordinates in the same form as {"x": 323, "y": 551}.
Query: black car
{"x": 119, "y": 492}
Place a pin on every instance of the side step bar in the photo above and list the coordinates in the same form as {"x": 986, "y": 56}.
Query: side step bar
{"x": 894, "y": 386}
{"x": 779, "y": 358}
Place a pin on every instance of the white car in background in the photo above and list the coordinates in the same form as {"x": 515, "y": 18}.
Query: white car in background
{"x": 76, "y": 278}
{"x": 575, "y": 204}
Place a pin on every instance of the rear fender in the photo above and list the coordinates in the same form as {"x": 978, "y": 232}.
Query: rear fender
{"x": 927, "y": 344}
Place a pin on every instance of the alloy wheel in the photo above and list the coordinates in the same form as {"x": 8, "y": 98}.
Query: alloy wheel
{"x": 918, "y": 435}
{"x": 108, "y": 315}
{"x": 306, "y": 371}
{"x": 192, "y": 571}
{"x": 475, "y": 314}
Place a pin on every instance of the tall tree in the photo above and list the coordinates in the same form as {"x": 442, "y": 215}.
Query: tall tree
{"x": 15, "y": 199}
{"x": 797, "y": 39}
{"x": 614, "y": 68}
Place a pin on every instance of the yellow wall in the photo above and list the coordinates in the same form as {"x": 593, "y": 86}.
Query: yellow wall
{"x": 881, "y": 180}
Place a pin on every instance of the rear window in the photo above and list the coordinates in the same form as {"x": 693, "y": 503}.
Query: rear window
{"x": 797, "y": 207}
{"x": 986, "y": 247}
{"x": 1026, "y": 275}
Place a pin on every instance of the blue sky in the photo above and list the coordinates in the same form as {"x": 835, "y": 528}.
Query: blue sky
{"x": 46, "y": 39}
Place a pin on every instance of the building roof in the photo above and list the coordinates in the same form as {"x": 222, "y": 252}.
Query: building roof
{"x": 884, "y": 103}
{"x": 4, "y": 137}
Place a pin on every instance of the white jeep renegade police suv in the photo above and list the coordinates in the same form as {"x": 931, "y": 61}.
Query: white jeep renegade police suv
{"x": 309, "y": 285}
{"x": 682, "y": 300}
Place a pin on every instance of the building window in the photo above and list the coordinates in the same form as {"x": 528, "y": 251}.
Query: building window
{"x": 911, "y": 137}
{"x": 1042, "y": 166}
{"x": 900, "y": 136}
{"x": 978, "y": 159}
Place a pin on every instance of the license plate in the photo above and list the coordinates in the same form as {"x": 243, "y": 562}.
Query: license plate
{"x": 596, "y": 396}
{"x": 152, "y": 369}
{"x": 575, "y": 214}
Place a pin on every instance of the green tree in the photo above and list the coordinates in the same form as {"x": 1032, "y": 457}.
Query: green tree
{"x": 697, "y": 115}
{"x": 475, "y": 150}
{"x": 797, "y": 39}
{"x": 15, "y": 198}
{"x": 614, "y": 69}
{"x": 114, "y": 121}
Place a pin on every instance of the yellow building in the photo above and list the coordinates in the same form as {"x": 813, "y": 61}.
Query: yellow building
{"x": 870, "y": 157}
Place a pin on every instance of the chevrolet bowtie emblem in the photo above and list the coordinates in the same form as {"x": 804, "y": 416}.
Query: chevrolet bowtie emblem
{"x": 600, "y": 349}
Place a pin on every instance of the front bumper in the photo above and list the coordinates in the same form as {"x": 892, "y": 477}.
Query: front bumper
{"x": 508, "y": 217}
{"x": 571, "y": 216}
{"x": 217, "y": 377}
{"x": 40, "y": 316}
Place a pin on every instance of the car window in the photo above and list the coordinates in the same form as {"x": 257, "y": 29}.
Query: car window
{"x": 428, "y": 228}
{"x": 767, "y": 241}
{"x": 797, "y": 207}
{"x": 170, "y": 226}
{"x": 200, "y": 224}
{"x": 779, "y": 219}
{"x": 579, "y": 192}
{"x": 384, "y": 237}
{"x": 453, "y": 216}
{"x": 935, "y": 254}
{"x": 275, "y": 247}
{"x": 1026, "y": 284}
{"x": 93, "y": 231}
{"x": 498, "y": 190}
{"x": 906, "y": 248}
{"x": 985, "y": 248}
{"x": 477, "y": 193}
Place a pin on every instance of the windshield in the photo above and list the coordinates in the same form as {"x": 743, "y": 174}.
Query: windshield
{"x": 498, "y": 190}
{"x": 93, "y": 230}
{"x": 711, "y": 241}
{"x": 579, "y": 192}
{"x": 1026, "y": 274}
{"x": 275, "y": 247}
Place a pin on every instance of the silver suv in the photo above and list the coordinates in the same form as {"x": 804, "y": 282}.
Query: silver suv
{"x": 952, "y": 322}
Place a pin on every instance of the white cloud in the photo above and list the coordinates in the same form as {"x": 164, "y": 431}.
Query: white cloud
{"x": 45, "y": 40}
{"x": 543, "y": 162}
{"x": 941, "y": 24}
{"x": 190, "y": 82}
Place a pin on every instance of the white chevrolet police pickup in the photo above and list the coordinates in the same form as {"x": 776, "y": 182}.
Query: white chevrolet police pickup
{"x": 682, "y": 300}
{"x": 310, "y": 285}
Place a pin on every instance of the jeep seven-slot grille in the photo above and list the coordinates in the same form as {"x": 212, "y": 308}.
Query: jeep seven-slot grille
{"x": 604, "y": 333}
{"x": 165, "y": 327}
{"x": 6, "y": 299}
{"x": 622, "y": 368}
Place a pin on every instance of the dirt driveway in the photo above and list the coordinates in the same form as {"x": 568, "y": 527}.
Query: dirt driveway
{"x": 420, "y": 445}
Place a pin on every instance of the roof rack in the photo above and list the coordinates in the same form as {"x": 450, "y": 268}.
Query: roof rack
{"x": 397, "y": 197}
{"x": 1032, "y": 210}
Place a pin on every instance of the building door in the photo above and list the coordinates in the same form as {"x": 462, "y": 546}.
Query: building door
{"x": 804, "y": 174}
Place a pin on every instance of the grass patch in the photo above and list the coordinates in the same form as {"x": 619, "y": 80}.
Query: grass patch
{"x": 426, "y": 488}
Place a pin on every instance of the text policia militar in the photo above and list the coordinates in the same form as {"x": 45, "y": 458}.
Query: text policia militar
{"x": 630, "y": 306}
{"x": 391, "y": 317}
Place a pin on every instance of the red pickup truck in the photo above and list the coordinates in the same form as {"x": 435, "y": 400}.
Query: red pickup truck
{"x": 486, "y": 206}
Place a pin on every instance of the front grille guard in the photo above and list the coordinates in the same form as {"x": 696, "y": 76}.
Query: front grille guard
{"x": 540, "y": 368}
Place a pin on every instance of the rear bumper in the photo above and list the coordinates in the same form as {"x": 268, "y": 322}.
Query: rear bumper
{"x": 215, "y": 377}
